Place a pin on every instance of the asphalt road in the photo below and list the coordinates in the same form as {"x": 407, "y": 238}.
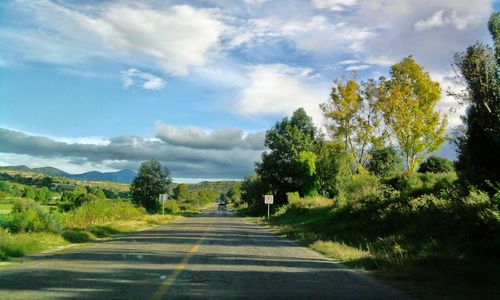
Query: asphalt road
{"x": 214, "y": 255}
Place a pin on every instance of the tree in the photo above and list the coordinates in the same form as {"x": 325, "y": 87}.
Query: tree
{"x": 407, "y": 101}
{"x": 181, "y": 192}
{"x": 286, "y": 140}
{"x": 384, "y": 161}
{"x": 151, "y": 181}
{"x": 354, "y": 118}
{"x": 234, "y": 193}
{"x": 436, "y": 164}
{"x": 479, "y": 141}
{"x": 334, "y": 167}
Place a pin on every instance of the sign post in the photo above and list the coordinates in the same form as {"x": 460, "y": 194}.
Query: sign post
{"x": 268, "y": 199}
{"x": 163, "y": 198}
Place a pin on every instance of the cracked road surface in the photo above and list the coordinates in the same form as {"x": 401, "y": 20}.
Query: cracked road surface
{"x": 214, "y": 255}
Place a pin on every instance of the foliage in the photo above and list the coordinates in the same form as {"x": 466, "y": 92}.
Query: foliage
{"x": 306, "y": 165}
{"x": 151, "y": 181}
{"x": 100, "y": 211}
{"x": 28, "y": 216}
{"x": 479, "y": 143}
{"x": 407, "y": 100}
{"x": 286, "y": 140}
{"x": 384, "y": 161}
{"x": 171, "y": 207}
{"x": 252, "y": 189}
{"x": 354, "y": 118}
{"x": 436, "y": 164}
{"x": 181, "y": 192}
{"x": 334, "y": 167}
{"x": 234, "y": 193}
{"x": 360, "y": 187}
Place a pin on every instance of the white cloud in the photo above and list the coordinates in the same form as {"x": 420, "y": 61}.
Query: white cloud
{"x": 316, "y": 34}
{"x": 442, "y": 18}
{"x": 448, "y": 104}
{"x": 255, "y": 2}
{"x": 175, "y": 39}
{"x": 382, "y": 61}
{"x": 145, "y": 80}
{"x": 334, "y": 5}
{"x": 357, "y": 67}
{"x": 199, "y": 138}
{"x": 280, "y": 89}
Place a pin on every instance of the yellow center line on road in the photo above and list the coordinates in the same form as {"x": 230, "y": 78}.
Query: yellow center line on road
{"x": 169, "y": 281}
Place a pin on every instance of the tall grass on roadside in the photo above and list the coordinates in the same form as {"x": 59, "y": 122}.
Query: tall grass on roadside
{"x": 15, "y": 245}
{"x": 101, "y": 211}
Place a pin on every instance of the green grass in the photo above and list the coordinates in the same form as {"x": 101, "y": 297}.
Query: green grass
{"x": 16, "y": 245}
{"x": 429, "y": 273}
{"x": 5, "y": 208}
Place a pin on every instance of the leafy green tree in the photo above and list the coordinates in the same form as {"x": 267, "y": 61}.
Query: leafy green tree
{"x": 98, "y": 193}
{"x": 354, "y": 118}
{"x": 407, "y": 100}
{"x": 436, "y": 164}
{"x": 479, "y": 144}
{"x": 384, "y": 161}
{"x": 334, "y": 167}
{"x": 252, "y": 190}
{"x": 29, "y": 192}
{"x": 306, "y": 165}
{"x": 181, "y": 192}
{"x": 151, "y": 181}
{"x": 234, "y": 193}
{"x": 286, "y": 140}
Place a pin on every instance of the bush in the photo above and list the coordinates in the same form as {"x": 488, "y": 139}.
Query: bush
{"x": 436, "y": 164}
{"x": 101, "y": 211}
{"x": 295, "y": 201}
{"x": 28, "y": 216}
{"x": 384, "y": 162}
{"x": 75, "y": 235}
{"x": 361, "y": 187}
{"x": 171, "y": 207}
{"x": 418, "y": 184}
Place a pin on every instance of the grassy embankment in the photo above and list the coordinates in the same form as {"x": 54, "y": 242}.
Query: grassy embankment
{"x": 428, "y": 245}
{"x": 35, "y": 230}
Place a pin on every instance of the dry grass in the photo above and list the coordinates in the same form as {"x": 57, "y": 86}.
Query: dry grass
{"x": 340, "y": 251}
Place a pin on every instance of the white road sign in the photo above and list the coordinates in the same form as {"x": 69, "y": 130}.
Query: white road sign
{"x": 268, "y": 199}
{"x": 163, "y": 197}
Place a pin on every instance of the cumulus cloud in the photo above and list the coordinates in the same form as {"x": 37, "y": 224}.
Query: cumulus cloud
{"x": 280, "y": 89}
{"x": 316, "y": 33}
{"x": 145, "y": 80}
{"x": 442, "y": 18}
{"x": 130, "y": 151}
{"x": 334, "y": 5}
{"x": 176, "y": 38}
{"x": 199, "y": 138}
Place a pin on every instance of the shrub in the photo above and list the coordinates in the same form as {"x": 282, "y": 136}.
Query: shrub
{"x": 362, "y": 186}
{"x": 75, "y": 235}
{"x": 171, "y": 207}
{"x": 436, "y": 164}
{"x": 24, "y": 204}
{"x": 28, "y": 216}
{"x": 384, "y": 161}
{"x": 101, "y": 211}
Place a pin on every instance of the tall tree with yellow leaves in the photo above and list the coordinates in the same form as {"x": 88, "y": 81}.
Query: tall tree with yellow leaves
{"x": 408, "y": 100}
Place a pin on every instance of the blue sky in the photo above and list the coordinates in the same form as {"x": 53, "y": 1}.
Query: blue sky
{"x": 104, "y": 85}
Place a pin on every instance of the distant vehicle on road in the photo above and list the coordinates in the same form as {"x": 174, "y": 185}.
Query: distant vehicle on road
{"x": 222, "y": 206}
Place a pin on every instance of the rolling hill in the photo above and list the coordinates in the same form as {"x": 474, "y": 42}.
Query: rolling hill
{"x": 123, "y": 176}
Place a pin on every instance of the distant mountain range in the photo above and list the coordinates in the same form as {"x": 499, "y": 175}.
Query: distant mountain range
{"x": 124, "y": 176}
